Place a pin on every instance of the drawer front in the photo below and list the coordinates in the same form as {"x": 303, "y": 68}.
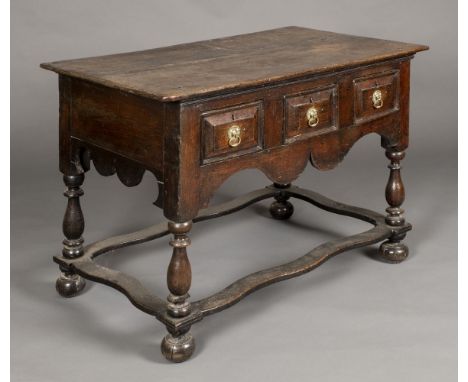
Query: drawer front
{"x": 232, "y": 132}
{"x": 310, "y": 113}
{"x": 375, "y": 96}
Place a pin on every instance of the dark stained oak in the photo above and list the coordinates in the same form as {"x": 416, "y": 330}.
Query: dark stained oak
{"x": 195, "y": 114}
{"x": 198, "y": 69}
{"x": 393, "y": 250}
{"x": 179, "y": 344}
{"x": 69, "y": 283}
{"x": 281, "y": 208}
{"x": 185, "y": 141}
{"x": 245, "y": 121}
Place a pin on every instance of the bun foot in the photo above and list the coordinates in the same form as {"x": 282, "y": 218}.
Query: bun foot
{"x": 281, "y": 210}
{"x": 393, "y": 252}
{"x": 69, "y": 285}
{"x": 178, "y": 349}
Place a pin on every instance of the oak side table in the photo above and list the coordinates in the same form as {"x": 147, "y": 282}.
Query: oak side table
{"x": 194, "y": 114}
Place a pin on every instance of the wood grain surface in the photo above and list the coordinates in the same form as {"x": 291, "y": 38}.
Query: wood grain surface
{"x": 208, "y": 67}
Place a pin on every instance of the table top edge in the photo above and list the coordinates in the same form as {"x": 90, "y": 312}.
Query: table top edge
{"x": 407, "y": 51}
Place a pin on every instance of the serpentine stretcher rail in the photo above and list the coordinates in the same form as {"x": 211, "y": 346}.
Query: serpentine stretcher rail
{"x": 144, "y": 300}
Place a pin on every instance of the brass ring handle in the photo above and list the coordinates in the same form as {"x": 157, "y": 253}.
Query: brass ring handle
{"x": 377, "y": 99}
{"x": 234, "y": 136}
{"x": 312, "y": 117}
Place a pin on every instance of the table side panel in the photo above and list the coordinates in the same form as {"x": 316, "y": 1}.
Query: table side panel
{"x": 118, "y": 122}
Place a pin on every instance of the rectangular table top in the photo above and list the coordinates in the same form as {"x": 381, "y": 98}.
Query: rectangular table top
{"x": 204, "y": 68}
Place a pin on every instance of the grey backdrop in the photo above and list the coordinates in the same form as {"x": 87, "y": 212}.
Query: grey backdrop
{"x": 353, "y": 319}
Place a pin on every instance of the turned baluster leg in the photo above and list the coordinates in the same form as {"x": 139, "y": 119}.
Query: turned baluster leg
{"x": 281, "y": 209}
{"x": 393, "y": 249}
{"x": 178, "y": 345}
{"x": 69, "y": 283}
